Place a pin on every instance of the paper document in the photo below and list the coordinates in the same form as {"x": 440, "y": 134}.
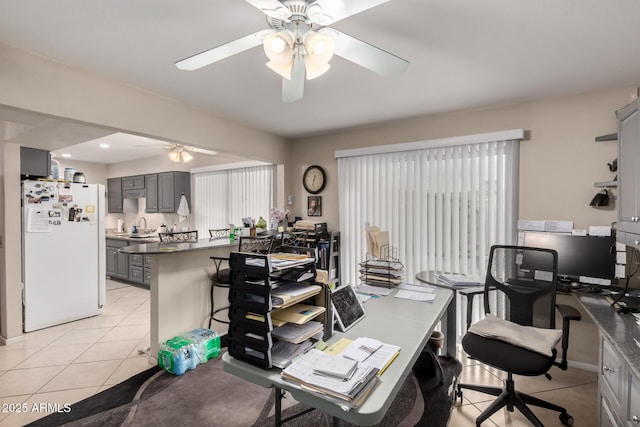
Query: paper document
{"x": 417, "y": 288}
{"x": 461, "y": 280}
{"x": 416, "y": 296}
{"x": 361, "y": 349}
{"x": 375, "y": 290}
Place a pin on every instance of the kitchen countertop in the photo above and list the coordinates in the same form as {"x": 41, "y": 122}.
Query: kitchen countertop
{"x": 620, "y": 329}
{"x": 172, "y": 247}
{"x": 148, "y": 238}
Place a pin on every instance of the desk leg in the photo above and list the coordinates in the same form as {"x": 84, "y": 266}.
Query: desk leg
{"x": 449, "y": 327}
{"x": 278, "y": 408}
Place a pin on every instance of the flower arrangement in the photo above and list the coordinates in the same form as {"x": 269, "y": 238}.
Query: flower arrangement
{"x": 278, "y": 217}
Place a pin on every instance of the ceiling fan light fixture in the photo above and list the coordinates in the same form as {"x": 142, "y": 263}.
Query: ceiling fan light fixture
{"x": 186, "y": 157}
{"x": 319, "y": 48}
{"x": 314, "y": 70}
{"x": 283, "y": 70}
{"x": 174, "y": 155}
{"x": 279, "y": 47}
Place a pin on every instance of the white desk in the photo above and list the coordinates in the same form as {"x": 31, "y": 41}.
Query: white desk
{"x": 391, "y": 320}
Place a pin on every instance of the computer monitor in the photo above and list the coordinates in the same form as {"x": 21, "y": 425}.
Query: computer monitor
{"x": 579, "y": 257}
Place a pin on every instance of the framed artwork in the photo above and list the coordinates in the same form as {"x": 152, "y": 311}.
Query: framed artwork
{"x": 314, "y": 205}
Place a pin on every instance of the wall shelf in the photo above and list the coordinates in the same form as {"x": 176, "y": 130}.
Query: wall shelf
{"x": 609, "y": 137}
{"x": 603, "y": 184}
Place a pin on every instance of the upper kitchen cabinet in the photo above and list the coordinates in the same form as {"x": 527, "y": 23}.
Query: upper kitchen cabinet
{"x": 171, "y": 187}
{"x": 114, "y": 195}
{"x": 34, "y": 163}
{"x": 629, "y": 174}
{"x": 151, "y": 190}
{"x": 133, "y": 182}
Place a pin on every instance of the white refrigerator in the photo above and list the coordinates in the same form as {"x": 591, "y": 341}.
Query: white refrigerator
{"x": 63, "y": 252}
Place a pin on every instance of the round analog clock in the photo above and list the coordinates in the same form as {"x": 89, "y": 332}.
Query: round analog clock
{"x": 314, "y": 179}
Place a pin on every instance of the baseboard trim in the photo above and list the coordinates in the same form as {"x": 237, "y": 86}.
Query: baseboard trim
{"x": 585, "y": 366}
{"x": 9, "y": 341}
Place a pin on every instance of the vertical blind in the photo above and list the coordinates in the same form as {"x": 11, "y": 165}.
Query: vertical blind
{"x": 444, "y": 206}
{"x": 226, "y": 196}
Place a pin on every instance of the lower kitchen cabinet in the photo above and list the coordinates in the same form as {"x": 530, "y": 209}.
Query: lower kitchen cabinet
{"x": 134, "y": 268}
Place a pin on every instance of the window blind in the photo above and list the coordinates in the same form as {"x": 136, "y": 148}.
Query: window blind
{"x": 444, "y": 206}
{"x": 226, "y": 196}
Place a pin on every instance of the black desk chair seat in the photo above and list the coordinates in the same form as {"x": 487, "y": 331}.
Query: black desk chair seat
{"x": 524, "y": 280}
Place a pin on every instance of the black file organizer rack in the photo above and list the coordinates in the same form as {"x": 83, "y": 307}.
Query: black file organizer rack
{"x": 250, "y": 324}
{"x": 388, "y": 260}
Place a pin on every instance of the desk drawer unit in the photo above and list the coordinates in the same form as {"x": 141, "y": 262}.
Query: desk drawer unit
{"x": 633, "y": 414}
{"x": 612, "y": 375}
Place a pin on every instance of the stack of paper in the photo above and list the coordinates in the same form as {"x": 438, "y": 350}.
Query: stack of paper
{"x": 290, "y": 293}
{"x": 282, "y": 352}
{"x": 461, "y": 280}
{"x": 301, "y": 371}
{"x": 299, "y": 314}
{"x": 295, "y": 333}
{"x": 380, "y": 359}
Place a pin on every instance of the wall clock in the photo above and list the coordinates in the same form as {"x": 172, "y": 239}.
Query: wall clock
{"x": 314, "y": 179}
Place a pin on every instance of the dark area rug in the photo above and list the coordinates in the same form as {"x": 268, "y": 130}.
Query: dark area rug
{"x": 208, "y": 396}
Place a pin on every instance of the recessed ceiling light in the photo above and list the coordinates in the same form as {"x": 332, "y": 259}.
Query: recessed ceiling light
{"x": 104, "y": 145}
{"x": 66, "y": 155}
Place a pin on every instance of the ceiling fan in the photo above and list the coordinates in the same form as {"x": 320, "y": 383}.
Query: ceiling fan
{"x": 182, "y": 152}
{"x": 299, "y": 43}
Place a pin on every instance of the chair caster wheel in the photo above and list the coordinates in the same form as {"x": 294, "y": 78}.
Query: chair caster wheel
{"x": 566, "y": 419}
{"x": 459, "y": 394}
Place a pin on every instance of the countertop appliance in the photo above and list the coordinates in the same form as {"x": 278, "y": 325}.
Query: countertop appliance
{"x": 63, "y": 252}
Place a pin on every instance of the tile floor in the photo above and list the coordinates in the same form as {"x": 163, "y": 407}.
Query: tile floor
{"x": 67, "y": 363}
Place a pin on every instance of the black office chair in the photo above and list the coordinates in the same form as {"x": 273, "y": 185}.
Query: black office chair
{"x": 220, "y": 278}
{"x": 522, "y": 281}
{"x": 179, "y": 236}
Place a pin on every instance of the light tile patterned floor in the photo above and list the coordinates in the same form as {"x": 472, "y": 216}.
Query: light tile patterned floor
{"x": 67, "y": 363}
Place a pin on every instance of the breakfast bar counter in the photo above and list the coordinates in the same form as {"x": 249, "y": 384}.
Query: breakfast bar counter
{"x": 181, "y": 285}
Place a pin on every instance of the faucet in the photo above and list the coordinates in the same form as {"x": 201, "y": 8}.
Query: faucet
{"x": 144, "y": 230}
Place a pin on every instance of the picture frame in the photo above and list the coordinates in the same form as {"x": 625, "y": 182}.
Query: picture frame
{"x": 314, "y": 205}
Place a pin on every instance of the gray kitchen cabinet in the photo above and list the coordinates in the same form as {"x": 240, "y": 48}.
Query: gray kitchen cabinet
{"x": 618, "y": 389}
{"x": 151, "y": 191}
{"x": 629, "y": 174}
{"x": 114, "y": 195}
{"x": 117, "y": 263}
{"x": 171, "y": 187}
{"x": 147, "y": 270}
{"x": 133, "y": 182}
{"x": 35, "y": 163}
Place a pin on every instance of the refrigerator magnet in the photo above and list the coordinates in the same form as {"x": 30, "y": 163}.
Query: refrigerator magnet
{"x": 90, "y": 209}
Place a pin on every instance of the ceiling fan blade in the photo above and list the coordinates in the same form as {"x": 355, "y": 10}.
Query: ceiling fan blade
{"x": 292, "y": 90}
{"x": 326, "y": 12}
{"x": 366, "y": 55}
{"x": 272, "y": 8}
{"x": 200, "y": 150}
{"x": 226, "y": 50}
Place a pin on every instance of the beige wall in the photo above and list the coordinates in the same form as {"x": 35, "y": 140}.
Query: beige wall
{"x": 559, "y": 163}
{"x": 35, "y": 84}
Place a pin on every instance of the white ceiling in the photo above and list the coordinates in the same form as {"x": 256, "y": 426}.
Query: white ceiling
{"x": 463, "y": 53}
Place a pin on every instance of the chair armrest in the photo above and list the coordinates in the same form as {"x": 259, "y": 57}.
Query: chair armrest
{"x": 568, "y": 314}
